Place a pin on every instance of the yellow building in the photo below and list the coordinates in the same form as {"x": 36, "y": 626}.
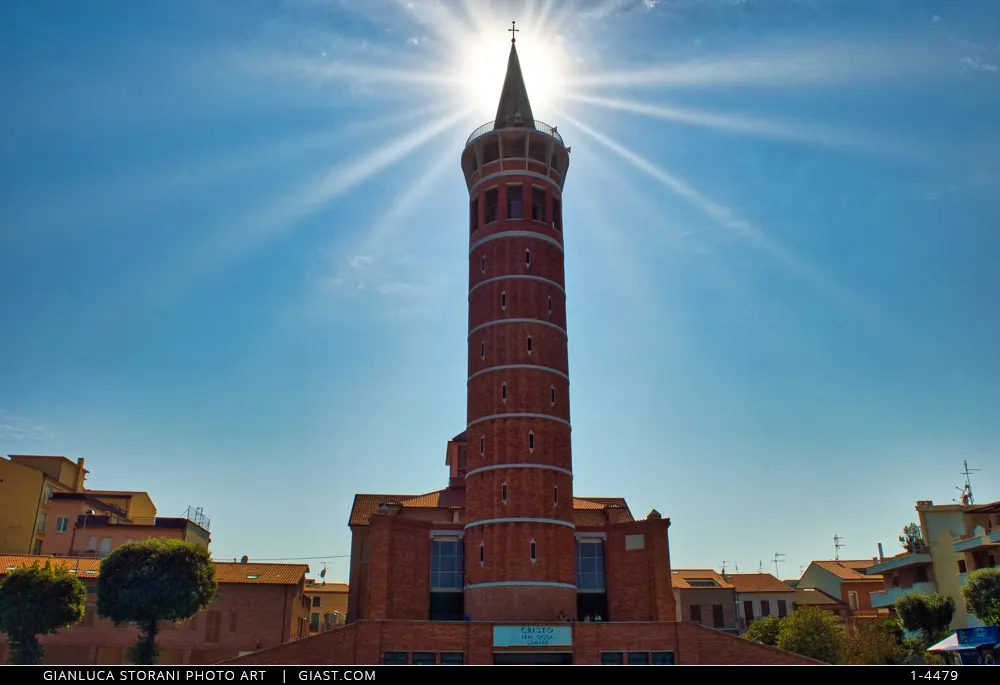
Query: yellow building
{"x": 952, "y": 541}
{"x": 328, "y": 605}
{"x": 27, "y": 484}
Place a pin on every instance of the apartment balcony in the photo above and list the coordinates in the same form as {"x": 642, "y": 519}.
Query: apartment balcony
{"x": 886, "y": 598}
{"x": 977, "y": 541}
{"x": 898, "y": 562}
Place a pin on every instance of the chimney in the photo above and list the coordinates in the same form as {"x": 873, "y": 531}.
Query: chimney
{"x": 81, "y": 474}
{"x": 881, "y": 554}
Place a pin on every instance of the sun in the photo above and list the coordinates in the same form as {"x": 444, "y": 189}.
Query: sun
{"x": 484, "y": 65}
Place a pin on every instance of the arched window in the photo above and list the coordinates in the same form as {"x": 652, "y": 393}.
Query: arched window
{"x": 532, "y": 550}
{"x": 503, "y": 299}
{"x": 527, "y": 257}
{"x": 503, "y": 392}
{"x": 531, "y": 440}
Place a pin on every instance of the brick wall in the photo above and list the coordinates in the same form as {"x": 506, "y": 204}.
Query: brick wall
{"x": 365, "y": 643}
{"x": 398, "y": 583}
{"x": 243, "y": 617}
{"x": 638, "y": 580}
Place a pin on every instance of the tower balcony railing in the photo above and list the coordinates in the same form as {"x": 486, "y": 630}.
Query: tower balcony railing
{"x": 541, "y": 126}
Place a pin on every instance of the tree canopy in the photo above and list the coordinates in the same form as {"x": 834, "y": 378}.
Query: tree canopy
{"x": 929, "y": 613}
{"x": 38, "y": 600}
{"x": 764, "y": 630}
{"x": 982, "y": 595}
{"x": 152, "y": 581}
{"x": 812, "y": 633}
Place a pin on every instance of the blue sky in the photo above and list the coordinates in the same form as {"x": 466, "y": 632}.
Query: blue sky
{"x": 233, "y": 256}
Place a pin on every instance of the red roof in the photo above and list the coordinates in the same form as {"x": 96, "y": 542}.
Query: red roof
{"x": 757, "y": 582}
{"x": 366, "y": 506}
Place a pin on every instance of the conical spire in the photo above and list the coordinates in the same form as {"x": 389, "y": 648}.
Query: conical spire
{"x": 514, "y": 108}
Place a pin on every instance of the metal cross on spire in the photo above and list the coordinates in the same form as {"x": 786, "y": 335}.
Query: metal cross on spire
{"x": 513, "y": 31}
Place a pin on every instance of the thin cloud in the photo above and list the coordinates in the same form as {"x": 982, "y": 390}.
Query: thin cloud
{"x": 16, "y": 427}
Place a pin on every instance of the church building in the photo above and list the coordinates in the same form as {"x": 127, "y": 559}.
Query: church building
{"x": 506, "y": 564}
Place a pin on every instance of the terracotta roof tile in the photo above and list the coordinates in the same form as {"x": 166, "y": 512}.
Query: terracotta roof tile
{"x": 225, "y": 571}
{"x": 366, "y": 506}
{"x": 849, "y": 569}
{"x": 757, "y": 582}
{"x": 698, "y": 579}
{"x": 85, "y": 567}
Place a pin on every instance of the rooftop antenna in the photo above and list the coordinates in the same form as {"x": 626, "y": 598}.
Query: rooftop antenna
{"x": 967, "y": 490}
{"x": 322, "y": 574}
{"x": 837, "y": 545}
{"x": 777, "y": 561}
{"x": 760, "y": 566}
{"x": 735, "y": 565}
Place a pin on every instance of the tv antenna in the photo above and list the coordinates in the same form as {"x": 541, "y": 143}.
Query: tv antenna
{"x": 837, "y": 545}
{"x": 322, "y": 574}
{"x": 777, "y": 561}
{"x": 967, "y": 490}
{"x": 735, "y": 565}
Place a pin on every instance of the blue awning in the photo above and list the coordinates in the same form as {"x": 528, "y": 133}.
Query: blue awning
{"x": 951, "y": 644}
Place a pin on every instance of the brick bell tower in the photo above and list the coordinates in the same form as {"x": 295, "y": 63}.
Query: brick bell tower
{"x": 519, "y": 535}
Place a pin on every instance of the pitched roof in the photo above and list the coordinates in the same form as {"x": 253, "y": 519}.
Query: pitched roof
{"x": 849, "y": 569}
{"x": 698, "y": 579}
{"x": 84, "y": 567}
{"x": 809, "y": 596}
{"x": 757, "y": 582}
{"x": 366, "y": 506}
{"x": 459, "y": 438}
{"x": 225, "y": 571}
{"x": 514, "y": 96}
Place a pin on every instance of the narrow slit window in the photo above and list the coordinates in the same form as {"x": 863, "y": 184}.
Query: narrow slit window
{"x": 538, "y": 204}
{"x": 555, "y": 494}
{"x": 527, "y": 257}
{"x": 482, "y": 445}
{"x": 550, "y": 304}
{"x": 503, "y": 392}
{"x": 503, "y": 299}
{"x": 503, "y": 493}
{"x": 482, "y": 350}
{"x": 529, "y": 344}
{"x": 514, "y": 203}
{"x": 531, "y": 440}
{"x": 552, "y": 394}
{"x": 533, "y": 557}
{"x": 482, "y": 265}
{"x": 482, "y": 553}
{"x": 490, "y": 205}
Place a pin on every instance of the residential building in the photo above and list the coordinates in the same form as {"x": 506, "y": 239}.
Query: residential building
{"x": 845, "y": 580}
{"x": 951, "y": 541}
{"x": 705, "y": 597}
{"x": 257, "y": 606}
{"x": 46, "y": 497}
{"x": 327, "y": 605}
{"x": 814, "y": 597}
{"x": 759, "y": 595}
{"x": 27, "y": 486}
{"x": 538, "y": 573}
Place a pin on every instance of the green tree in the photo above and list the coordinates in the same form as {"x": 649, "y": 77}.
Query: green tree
{"x": 929, "y": 613}
{"x": 38, "y": 600}
{"x": 152, "y": 581}
{"x": 874, "y": 643}
{"x": 813, "y": 633}
{"x": 982, "y": 595}
{"x": 764, "y": 630}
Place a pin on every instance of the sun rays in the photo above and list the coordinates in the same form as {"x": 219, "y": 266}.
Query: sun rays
{"x": 443, "y": 69}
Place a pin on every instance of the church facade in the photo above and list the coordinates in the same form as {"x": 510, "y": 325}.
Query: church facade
{"x": 507, "y": 565}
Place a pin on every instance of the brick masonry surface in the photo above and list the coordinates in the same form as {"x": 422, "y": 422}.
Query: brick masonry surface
{"x": 366, "y": 642}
